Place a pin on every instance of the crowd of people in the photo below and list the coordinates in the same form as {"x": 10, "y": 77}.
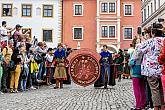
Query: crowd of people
{"x": 26, "y": 63}
{"x": 144, "y": 63}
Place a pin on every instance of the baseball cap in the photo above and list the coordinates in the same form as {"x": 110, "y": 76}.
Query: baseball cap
{"x": 18, "y": 25}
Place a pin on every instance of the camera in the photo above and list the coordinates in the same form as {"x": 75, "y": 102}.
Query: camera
{"x": 159, "y": 24}
{"x": 157, "y": 28}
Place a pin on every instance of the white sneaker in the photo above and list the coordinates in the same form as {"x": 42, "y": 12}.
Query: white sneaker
{"x": 32, "y": 88}
{"x": 1, "y": 93}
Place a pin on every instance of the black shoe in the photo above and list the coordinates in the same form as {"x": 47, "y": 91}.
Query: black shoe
{"x": 5, "y": 91}
{"x": 56, "y": 87}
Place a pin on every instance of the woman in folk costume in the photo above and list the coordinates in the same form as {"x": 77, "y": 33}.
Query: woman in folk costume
{"x": 49, "y": 66}
{"x": 60, "y": 71}
{"x": 126, "y": 66}
{"x": 119, "y": 58}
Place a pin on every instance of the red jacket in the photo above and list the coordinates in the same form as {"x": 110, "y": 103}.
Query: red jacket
{"x": 161, "y": 58}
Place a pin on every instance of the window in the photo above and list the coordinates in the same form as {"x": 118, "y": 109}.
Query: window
{"x": 24, "y": 30}
{"x": 108, "y": 31}
{"x": 128, "y": 33}
{"x": 128, "y": 10}
{"x": 148, "y": 11}
{"x": 78, "y": 10}
{"x": 104, "y": 7}
{"x": 111, "y": 7}
{"x": 6, "y": 9}
{"x": 159, "y": 3}
{"x": 27, "y": 10}
{"x": 108, "y": 7}
{"x": 47, "y": 10}
{"x": 111, "y": 31}
{"x": 145, "y": 14}
{"x": 47, "y": 35}
{"x": 78, "y": 33}
{"x": 104, "y": 31}
{"x": 155, "y": 4}
{"x": 142, "y": 17}
{"x": 151, "y": 8}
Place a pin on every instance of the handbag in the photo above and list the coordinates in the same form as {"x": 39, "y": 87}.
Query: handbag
{"x": 12, "y": 65}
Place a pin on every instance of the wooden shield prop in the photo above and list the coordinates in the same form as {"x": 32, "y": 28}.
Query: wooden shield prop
{"x": 84, "y": 66}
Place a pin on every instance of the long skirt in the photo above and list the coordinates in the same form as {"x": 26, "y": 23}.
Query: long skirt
{"x": 60, "y": 73}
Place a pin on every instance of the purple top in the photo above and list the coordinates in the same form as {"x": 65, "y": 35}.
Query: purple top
{"x": 16, "y": 35}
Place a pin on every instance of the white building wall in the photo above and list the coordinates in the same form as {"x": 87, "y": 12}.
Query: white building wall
{"x": 36, "y": 22}
{"x": 153, "y": 16}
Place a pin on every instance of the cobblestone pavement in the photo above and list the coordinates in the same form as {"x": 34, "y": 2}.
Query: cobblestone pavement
{"x": 71, "y": 97}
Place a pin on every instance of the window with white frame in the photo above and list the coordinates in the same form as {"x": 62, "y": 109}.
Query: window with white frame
{"x": 104, "y": 7}
{"x": 78, "y": 9}
{"x": 112, "y": 31}
{"x": 108, "y": 31}
{"x": 108, "y": 7}
{"x": 112, "y": 7}
{"x": 128, "y": 33}
{"x": 78, "y": 33}
{"x": 104, "y": 31}
{"x": 128, "y": 10}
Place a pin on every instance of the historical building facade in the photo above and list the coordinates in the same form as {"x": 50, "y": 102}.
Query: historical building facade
{"x": 151, "y": 11}
{"x": 79, "y": 23}
{"x": 43, "y": 17}
{"x": 76, "y": 23}
{"x": 93, "y": 23}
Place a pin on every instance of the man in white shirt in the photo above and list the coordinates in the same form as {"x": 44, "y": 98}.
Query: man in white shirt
{"x": 4, "y": 32}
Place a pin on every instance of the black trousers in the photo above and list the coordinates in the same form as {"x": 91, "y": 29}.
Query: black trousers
{"x": 5, "y": 82}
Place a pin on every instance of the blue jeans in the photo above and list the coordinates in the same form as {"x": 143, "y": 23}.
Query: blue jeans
{"x": 24, "y": 80}
{"x": 39, "y": 75}
{"x": 103, "y": 72}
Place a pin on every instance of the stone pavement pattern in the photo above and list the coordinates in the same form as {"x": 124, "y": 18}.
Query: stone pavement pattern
{"x": 72, "y": 97}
